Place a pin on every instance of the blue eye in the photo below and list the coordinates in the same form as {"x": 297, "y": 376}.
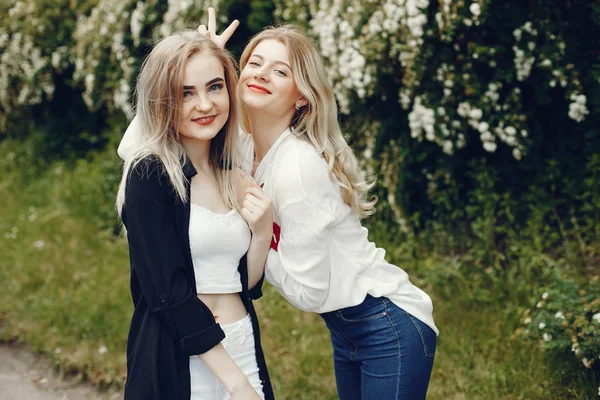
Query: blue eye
{"x": 216, "y": 87}
{"x": 186, "y": 93}
{"x": 254, "y": 64}
{"x": 280, "y": 72}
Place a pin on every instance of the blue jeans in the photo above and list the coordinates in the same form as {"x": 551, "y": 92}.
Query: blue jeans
{"x": 380, "y": 351}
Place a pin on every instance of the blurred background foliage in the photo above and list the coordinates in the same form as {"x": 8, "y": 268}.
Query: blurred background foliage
{"x": 479, "y": 119}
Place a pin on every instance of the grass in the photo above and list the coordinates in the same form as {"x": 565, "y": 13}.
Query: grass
{"x": 64, "y": 291}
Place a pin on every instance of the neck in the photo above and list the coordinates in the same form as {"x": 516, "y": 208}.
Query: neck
{"x": 266, "y": 129}
{"x": 198, "y": 151}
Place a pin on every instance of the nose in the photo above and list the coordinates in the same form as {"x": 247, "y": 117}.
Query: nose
{"x": 260, "y": 74}
{"x": 203, "y": 103}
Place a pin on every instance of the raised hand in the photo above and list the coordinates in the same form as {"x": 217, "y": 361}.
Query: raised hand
{"x": 257, "y": 211}
{"x": 211, "y": 31}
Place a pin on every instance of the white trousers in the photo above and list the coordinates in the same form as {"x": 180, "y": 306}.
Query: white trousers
{"x": 239, "y": 344}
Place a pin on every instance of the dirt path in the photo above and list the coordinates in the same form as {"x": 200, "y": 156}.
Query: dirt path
{"x": 26, "y": 376}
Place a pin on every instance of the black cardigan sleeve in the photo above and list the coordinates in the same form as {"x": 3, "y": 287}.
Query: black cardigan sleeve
{"x": 158, "y": 261}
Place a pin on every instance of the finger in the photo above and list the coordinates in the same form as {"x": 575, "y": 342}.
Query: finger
{"x": 202, "y": 30}
{"x": 252, "y": 206}
{"x": 212, "y": 21}
{"x": 227, "y": 33}
{"x": 257, "y": 192}
{"x": 247, "y": 216}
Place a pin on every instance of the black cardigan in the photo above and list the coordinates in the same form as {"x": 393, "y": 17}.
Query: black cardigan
{"x": 169, "y": 322}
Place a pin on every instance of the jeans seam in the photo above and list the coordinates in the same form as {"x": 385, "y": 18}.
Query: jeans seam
{"x": 399, "y": 351}
{"x": 341, "y": 331}
{"x": 425, "y": 347}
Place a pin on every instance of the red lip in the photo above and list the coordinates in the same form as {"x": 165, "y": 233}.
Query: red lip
{"x": 204, "y": 121}
{"x": 257, "y": 88}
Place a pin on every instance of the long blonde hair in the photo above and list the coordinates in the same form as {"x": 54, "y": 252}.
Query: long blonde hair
{"x": 318, "y": 120}
{"x": 159, "y": 93}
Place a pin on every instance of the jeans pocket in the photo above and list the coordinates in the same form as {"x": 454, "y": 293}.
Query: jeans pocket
{"x": 427, "y": 335}
{"x": 370, "y": 308}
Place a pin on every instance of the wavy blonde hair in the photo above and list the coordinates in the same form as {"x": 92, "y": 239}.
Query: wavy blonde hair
{"x": 318, "y": 120}
{"x": 159, "y": 92}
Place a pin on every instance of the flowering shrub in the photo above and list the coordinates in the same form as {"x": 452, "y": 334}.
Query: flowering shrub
{"x": 92, "y": 47}
{"x": 475, "y": 78}
{"x": 566, "y": 319}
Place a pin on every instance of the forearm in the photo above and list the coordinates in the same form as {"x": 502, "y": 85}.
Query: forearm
{"x": 224, "y": 368}
{"x": 257, "y": 257}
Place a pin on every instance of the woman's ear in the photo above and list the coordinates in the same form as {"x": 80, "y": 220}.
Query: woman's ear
{"x": 301, "y": 102}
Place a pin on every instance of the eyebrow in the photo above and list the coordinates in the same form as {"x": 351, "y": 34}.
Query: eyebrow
{"x": 276, "y": 62}
{"x": 211, "y": 82}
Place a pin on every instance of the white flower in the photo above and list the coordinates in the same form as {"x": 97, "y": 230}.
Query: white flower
{"x": 517, "y": 34}
{"x": 475, "y": 9}
{"x": 559, "y": 315}
{"x": 489, "y": 146}
{"x": 483, "y": 127}
{"x": 517, "y": 154}
{"x": 39, "y": 244}
{"x": 467, "y": 22}
{"x": 527, "y": 320}
{"x": 541, "y": 325}
{"x": 577, "y": 111}
{"x": 547, "y": 337}
{"x": 102, "y": 349}
{"x": 448, "y": 147}
{"x": 511, "y": 131}
{"x": 463, "y": 109}
{"x": 539, "y": 304}
{"x": 476, "y": 113}
{"x": 596, "y": 317}
{"x": 545, "y": 295}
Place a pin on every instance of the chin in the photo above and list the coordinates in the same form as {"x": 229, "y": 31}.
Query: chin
{"x": 254, "y": 103}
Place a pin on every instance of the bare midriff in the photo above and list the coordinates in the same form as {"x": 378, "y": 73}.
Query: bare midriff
{"x": 226, "y": 307}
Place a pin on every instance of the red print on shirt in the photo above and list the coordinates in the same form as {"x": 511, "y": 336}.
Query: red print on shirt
{"x": 276, "y": 235}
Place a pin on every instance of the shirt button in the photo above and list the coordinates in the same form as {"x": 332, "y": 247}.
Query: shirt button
{"x": 163, "y": 299}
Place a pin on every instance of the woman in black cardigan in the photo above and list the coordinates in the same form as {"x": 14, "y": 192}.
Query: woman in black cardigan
{"x": 183, "y": 167}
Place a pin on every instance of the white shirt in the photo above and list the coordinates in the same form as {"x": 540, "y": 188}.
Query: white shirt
{"x": 324, "y": 261}
{"x": 217, "y": 243}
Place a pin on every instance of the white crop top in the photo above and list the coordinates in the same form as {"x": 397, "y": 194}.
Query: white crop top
{"x": 217, "y": 243}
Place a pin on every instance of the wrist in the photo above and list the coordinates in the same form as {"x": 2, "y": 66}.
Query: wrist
{"x": 262, "y": 236}
{"x": 238, "y": 385}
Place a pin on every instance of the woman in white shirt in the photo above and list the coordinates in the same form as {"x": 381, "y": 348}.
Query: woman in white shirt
{"x": 381, "y": 325}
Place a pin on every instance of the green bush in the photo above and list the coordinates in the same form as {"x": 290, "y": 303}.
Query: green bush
{"x": 430, "y": 88}
{"x": 566, "y": 319}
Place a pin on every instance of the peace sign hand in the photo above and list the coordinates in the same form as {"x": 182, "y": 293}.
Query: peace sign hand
{"x": 211, "y": 32}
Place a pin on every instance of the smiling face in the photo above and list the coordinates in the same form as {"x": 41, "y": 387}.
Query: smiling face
{"x": 267, "y": 80}
{"x": 205, "y": 98}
